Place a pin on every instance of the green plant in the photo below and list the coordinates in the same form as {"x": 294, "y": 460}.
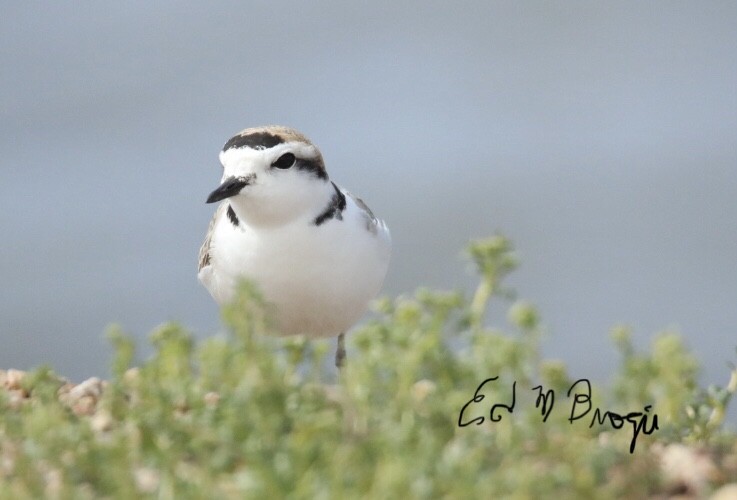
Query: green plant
{"x": 252, "y": 415}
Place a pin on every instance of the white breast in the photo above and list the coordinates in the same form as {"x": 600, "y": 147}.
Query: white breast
{"x": 320, "y": 279}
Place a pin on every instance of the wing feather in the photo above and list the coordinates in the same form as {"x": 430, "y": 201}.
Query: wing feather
{"x": 373, "y": 224}
{"x": 204, "y": 256}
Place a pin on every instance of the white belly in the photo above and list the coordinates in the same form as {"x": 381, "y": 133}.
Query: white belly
{"x": 319, "y": 279}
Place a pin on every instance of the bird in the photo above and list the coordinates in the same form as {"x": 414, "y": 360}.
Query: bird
{"x": 316, "y": 252}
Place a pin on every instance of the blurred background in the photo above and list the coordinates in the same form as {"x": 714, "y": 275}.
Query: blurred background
{"x": 601, "y": 138}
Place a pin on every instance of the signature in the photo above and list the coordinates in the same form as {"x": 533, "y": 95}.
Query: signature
{"x": 580, "y": 395}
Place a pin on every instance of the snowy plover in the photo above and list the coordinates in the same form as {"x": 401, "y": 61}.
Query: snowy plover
{"x": 316, "y": 252}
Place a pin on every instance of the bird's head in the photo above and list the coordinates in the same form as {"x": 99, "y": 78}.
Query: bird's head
{"x": 272, "y": 175}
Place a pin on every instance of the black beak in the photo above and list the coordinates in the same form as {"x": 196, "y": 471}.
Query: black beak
{"x": 230, "y": 187}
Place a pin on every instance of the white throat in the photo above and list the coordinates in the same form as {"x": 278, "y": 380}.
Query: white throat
{"x": 296, "y": 199}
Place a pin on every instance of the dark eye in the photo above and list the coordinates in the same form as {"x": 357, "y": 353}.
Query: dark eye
{"x": 285, "y": 161}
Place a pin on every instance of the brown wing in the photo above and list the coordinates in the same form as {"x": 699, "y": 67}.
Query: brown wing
{"x": 204, "y": 257}
{"x": 372, "y": 223}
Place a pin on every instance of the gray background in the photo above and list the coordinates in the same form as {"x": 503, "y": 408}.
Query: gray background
{"x": 602, "y": 138}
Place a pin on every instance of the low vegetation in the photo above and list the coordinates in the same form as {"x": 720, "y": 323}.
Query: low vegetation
{"x": 431, "y": 404}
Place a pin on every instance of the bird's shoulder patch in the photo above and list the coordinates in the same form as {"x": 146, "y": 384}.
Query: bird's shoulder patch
{"x": 232, "y": 217}
{"x": 334, "y": 208}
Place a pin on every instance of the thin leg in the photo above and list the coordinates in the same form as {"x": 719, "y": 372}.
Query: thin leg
{"x": 340, "y": 351}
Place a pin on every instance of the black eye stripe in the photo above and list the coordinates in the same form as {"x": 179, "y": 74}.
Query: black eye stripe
{"x": 314, "y": 167}
{"x": 284, "y": 161}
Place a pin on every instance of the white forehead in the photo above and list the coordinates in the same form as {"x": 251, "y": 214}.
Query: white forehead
{"x": 241, "y": 157}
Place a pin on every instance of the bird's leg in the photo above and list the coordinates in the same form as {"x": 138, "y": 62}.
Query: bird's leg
{"x": 340, "y": 351}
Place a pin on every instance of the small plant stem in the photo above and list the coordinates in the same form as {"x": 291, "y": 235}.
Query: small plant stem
{"x": 481, "y": 299}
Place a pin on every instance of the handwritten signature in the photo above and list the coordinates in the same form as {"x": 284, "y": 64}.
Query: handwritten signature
{"x": 580, "y": 407}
